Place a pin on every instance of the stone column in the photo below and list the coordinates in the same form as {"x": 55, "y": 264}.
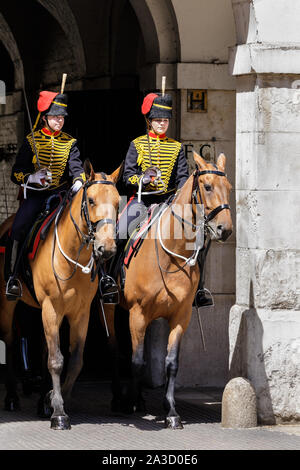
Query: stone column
{"x": 264, "y": 327}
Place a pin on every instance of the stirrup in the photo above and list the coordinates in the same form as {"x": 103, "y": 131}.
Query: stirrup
{"x": 109, "y": 290}
{"x": 203, "y": 300}
{"x": 13, "y": 288}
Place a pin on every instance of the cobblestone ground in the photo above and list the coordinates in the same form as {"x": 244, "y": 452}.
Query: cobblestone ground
{"x": 94, "y": 427}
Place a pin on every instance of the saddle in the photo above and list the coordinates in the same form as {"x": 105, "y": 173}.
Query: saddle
{"x": 42, "y": 225}
{"x": 125, "y": 254}
{"x": 29, "y": 245}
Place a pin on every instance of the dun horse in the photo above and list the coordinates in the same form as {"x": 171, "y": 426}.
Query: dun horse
{"x": 162, "y": 279}
{"x": 85, "y": 233}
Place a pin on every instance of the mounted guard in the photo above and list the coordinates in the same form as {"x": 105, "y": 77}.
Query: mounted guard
{"x": 155, "y": 168}
{"x": 46, "y": 164}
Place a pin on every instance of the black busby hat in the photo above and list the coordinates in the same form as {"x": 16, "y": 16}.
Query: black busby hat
{"x": 58, "y": 106}
{"x": 156, "y": 105}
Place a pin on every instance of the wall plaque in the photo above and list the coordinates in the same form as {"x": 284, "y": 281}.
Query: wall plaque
{"x": 197, "y": 101}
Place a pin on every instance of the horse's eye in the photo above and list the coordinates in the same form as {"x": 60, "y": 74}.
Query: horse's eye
{"x": 91, "y": 201}
{"x": 208, "y": 187}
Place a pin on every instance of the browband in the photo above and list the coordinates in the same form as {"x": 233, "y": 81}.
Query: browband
{"x": 213, "y": 172}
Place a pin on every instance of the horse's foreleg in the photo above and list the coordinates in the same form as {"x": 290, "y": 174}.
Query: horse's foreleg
{"x": 138, "y": 327}
{"x": 108, "y": 320}
{"x": 51, "y": 322}
{"x": 78, "y": 332}
{"x": 173, "y": 420}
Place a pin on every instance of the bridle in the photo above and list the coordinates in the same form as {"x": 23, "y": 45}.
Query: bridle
{"x": 92, "y": 226}
{"x": 86, "y": 239}
{"x": 196, "y": 191}
{"x": 197, "y": 200}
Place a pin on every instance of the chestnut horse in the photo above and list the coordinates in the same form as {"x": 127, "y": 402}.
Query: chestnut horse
{"x": 83, "y": 234}
{"x": 162, "y": 279}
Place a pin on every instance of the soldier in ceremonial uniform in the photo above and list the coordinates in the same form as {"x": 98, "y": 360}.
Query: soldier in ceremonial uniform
{"x": 154, "y": 164}
{"x": 56, "y": 166}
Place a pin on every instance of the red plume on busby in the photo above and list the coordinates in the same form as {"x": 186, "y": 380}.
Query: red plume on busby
{"x": 147, "y": 103}
{"x": 156, "y": 105}
{"x": 45, "y": 100}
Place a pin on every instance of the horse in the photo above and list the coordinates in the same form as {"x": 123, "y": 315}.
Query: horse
{"x": 162, "y": 278}
{"x": 82, "y": 236}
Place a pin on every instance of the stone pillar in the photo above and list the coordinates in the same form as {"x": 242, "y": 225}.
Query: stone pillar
{"x": 264, "y": 327}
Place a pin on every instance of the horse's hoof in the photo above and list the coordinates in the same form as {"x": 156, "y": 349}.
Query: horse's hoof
{"x": 173, "y": 422}
{"x": 60, "y": 423}
{"x": 12, "y": 404}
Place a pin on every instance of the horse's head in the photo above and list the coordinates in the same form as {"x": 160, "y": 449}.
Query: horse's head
{"x": 214, "y": 194}
{"x": 100, "y": 207}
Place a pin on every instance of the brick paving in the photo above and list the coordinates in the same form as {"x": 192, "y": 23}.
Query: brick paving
{"x": 94, "y": 427}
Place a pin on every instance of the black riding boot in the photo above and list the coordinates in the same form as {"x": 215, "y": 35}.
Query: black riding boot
{"x": 108, "y": 288}
{"x": 203, "y": 297}
{"x": 13, "y": 285}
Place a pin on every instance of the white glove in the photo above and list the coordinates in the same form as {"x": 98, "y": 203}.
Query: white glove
{"x": 76, "y": 186}
{"x": 41, "y": 177}
{"x": 150, "y": 176}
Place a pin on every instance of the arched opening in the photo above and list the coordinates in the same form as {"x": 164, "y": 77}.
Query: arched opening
{"x": 7, "y": 69}
{"x": 106, "y": 119}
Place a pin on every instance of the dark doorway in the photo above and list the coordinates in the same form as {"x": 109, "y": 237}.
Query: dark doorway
{"x": 104, "y": 122}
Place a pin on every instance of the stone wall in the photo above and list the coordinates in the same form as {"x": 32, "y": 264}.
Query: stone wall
{"x": 11, "y": 137}
{"x": 264, "y": 328}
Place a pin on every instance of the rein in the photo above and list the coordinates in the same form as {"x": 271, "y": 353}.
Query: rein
{"x": 195, "y": 190}
{"x": 86, "y": 239}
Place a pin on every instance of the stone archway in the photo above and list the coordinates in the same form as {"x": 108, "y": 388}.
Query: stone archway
{"x": 159, "y": 26}
{"x": 63, "y": 14}
{"x": 7, "y": 38}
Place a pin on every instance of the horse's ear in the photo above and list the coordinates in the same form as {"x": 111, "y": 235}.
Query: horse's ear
{"x": 199, "y": 160}
{"x": 89, "y": 170}
{"x": 221, "y": 162}
{"x": 117, "y": 174}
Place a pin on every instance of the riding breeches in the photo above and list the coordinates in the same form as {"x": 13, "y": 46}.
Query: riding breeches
{"x": 27, "y": 213}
